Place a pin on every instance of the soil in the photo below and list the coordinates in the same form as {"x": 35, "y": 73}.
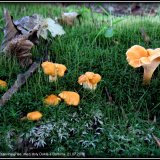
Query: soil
{"x": 122, "y": 8}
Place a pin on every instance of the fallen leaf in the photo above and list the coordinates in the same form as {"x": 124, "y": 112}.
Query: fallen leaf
{"x": 50, "y": 25}
{"x": 20, "y": 47}
{"x": 10, "y": 31}
{"x": 21, "y": 35}
{"x": 28, "y": 23}
{"x": 15, "y": 43}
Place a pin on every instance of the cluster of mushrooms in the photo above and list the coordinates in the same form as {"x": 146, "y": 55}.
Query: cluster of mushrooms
{"x": 136, "y": 56}
{"x": 54, "y": 71}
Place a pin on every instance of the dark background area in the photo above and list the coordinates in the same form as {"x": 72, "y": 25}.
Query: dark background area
{"x": 121, "y": 8}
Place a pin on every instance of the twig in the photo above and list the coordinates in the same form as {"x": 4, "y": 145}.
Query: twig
{"x": 156, "y": 139}
{"x": 144, "y": 35}
{"x": 21, "y": 79}
{"x": 108, "y": 95}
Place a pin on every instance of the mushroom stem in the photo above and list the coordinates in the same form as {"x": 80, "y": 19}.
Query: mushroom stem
{"x": 147, "y": 76}
{"x": 148, "y": 72}
{"x": 52, "y": 78}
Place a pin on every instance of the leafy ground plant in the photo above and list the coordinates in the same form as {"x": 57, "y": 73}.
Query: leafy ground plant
{"x": 97, "y": 127}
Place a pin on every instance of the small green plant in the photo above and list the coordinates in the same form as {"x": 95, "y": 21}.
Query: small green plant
{"x": 108, "y": 30}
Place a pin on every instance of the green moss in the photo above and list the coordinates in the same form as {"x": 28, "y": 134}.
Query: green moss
{"x": 96, "y": 127}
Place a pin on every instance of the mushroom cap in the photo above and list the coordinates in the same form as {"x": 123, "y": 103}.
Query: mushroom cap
{"x": 60, "y": 68}
{"x": 49, "y": 68}
{"x": 53, "y": 69}
{"x": 134, "y": 54}
{"x": 138, "y": 56}
{"x": 82, "y": 79}
{"x": 90, "y": 78}
{"x": 52, "y": 100}
{"x": 3, "y": 84}
{"x": 95, "y": 79}
{"x": 153, "y": 51}
{"x": 70, "y": 98}
{"x": 154, "y": 54}
{"x": 34, "y": 116}
{"x": 89, "y": 75}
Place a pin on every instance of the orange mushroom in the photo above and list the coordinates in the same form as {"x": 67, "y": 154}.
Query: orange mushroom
{"x": 3, "y": 84}
{"x": 70, "y": 98}
{"x": 60, "y": 68}
{"x": 149, "y": 59}
{"x": 52, "y": 100}
{"x": 54, "y": 70}
{"x": 89, "y": 80}
{"x": 34, "y": 116}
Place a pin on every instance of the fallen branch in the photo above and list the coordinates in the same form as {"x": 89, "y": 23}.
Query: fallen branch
{"x": 21, "y": 79}
{"x": 156, "y": 139}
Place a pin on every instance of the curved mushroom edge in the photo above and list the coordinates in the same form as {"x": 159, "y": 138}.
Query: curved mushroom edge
{"x": 149, "y": 59}
{"x": 89, "y": 80}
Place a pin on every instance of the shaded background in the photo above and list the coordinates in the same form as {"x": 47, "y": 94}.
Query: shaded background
{"x": 122, "y": 8}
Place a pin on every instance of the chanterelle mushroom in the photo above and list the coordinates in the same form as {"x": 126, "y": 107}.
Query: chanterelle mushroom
{"x": 34, "y": 116}
{"x": 89, "y": 80}
{"x": 3, "y": 84}
{"x": 52, "y": 100}
{"x": 54, "y": 70}
{"x": 70, "y": 98}
{"x": 149, "y": 59}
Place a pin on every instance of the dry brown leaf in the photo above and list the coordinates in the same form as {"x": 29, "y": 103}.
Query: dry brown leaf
{"x": 28, "y": 23}
{"x": 20, "y": 47}
{"x": 10, "y": 31}
{"x": 17, "y": 44}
